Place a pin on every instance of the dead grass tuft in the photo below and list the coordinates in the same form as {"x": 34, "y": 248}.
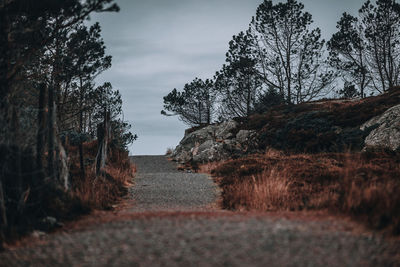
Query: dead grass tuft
{"x": 103, "y": 191}
{"x": 269, "y": 192}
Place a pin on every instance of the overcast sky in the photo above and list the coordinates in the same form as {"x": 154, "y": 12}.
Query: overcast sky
{"x": 159, "y": 45}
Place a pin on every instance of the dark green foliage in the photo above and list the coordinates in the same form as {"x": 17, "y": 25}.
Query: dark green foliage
{"x": 121, "y": 135}
{"x": 353, "y": 138}
{"x": 105, "y": 99}
{"x": 74, "y": 138}
{"x": 365, "y": 48}
{"x": 86, "y": 51}
{"x": 173, "y": 101}
{"x": 349, "y": 91}
{"x": 309, "y": 132}
{"x": 28, "y": 197}
{"x": 238, "y": 82}
{"x": 268, "y": 100}
{"x": 195, "y": 104}
{"x": 48, "y": 62}
{"x": 347, "y": 54}
{"x": 321, "y": 126}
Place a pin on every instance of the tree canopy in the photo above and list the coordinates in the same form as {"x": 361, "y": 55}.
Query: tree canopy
{"x": 290, "y": 53}
{"x": 194, "y": 104}
{"x": 49, "y": 100}
{"x": 365, "y": 49}
{"x": 238, "y": 83}
{"x": 283, "y": 56}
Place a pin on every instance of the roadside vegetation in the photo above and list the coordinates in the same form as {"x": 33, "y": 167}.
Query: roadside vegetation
{"x": 316, "y": 159}
{"x": 63, "y": 140}
{"x": 361, "y": 185}
{"x": 102, "y": 192}
{"x": 306, "y": 100}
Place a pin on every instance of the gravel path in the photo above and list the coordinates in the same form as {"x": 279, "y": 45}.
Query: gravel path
{"x": 170, "y": 225}
{"x": 159, "y": 186}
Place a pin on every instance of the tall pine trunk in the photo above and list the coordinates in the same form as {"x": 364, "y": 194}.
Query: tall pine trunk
{"x": 81, "y": 159}
{"x": 102, "y": 138}
{"x": 50, "y": 132}
{"x": 40, "y": 138}
{"x": 3, "y": 215}
{"x": 4, "y": 110}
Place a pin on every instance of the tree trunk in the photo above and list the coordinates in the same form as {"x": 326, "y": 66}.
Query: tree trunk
{"x": 248, "y": 102}
{"x": 102, "y": 138}
{"x": 4, "y": 123}
{"x": 40, "y": 133}
{"x": 50, "y": 129}
{"x": 17, "y": 153}
{"x": 53, "y": 89}
{"x": 63, "y": 172}
{"x": 289, "y": 79}
{"x": 3, "y": 215}
{"x": 4, "y": 81}
{"x": 81, "y": 159}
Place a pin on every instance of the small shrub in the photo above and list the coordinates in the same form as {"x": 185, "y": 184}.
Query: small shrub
{"x": 268, "y": 100}
{"x": 349, "y": 91}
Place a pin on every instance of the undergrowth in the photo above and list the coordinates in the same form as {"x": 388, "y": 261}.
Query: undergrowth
{"x": 362, "y": 185}
{"x": 100, "y": 192}
{"x": 323, "y": 126}
{"x": 42, "y": 198}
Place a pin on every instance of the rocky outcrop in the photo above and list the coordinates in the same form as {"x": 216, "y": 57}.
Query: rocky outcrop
{"x": 387, "y": 131}
{"x": 213, "y": 143}
{"x": 305, "y": 129}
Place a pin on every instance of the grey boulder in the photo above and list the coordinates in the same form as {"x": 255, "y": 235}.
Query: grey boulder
{"x": 387, "y": 131}
{"x": 213, "y": 143}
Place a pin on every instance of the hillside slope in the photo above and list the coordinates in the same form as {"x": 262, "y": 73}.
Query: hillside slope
{"x": 336, "y": 155}
{"x": 321, "y": 126}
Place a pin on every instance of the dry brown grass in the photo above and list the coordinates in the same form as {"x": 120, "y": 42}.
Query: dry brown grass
{"x": 268, "y": 190}
{"x": 103, "y": 191}
{"x": 209, "y": 166}
{"x": 363, "y": 185}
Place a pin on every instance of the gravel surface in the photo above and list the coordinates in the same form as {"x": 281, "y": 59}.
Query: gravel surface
{"x": 177, "y": 230}
{"x": 154, "y": 164}
{"x": 159, "y": 186}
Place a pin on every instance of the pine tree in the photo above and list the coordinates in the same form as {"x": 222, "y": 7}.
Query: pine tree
{"x": 238, "y": 82}
{"x": 27, "y": 29}
{"x": 366, "y": 50}
{"x": 290, "y": 52}
{"x": 194, "y": 105}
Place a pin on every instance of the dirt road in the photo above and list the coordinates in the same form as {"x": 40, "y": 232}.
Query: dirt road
{"x": 172, "y": 220}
